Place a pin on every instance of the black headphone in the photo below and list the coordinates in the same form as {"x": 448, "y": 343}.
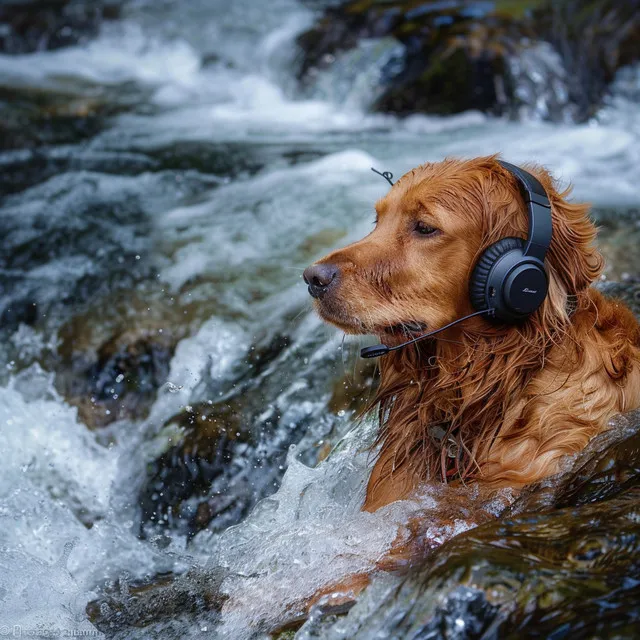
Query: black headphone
{"x": 509, "y": 282}
{"x": 510, "y": 277}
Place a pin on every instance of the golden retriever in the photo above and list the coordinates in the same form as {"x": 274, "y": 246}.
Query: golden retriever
{"x": 495, "y": 404}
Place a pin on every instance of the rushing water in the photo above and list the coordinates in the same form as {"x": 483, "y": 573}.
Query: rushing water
{"x": 170, "y": 230}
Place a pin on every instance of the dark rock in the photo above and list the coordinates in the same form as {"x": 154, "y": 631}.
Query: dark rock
{"x": 230, "y": 453}
{"x": 164, "y": 599}
{"x": 200, "y": 477}
{"x": 122, "y": 380}
{"x": 594, "y": 38}
{"x": 33, "y": 118}
{"x": 464, "y": 55}
{"x": 37, "y": 25}
{"x": 455, "y": 52}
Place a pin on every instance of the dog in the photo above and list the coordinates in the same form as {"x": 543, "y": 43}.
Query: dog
{"x": 495, "y": 403}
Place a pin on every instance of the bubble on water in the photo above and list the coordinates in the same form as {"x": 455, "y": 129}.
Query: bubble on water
{"x": 172, "y": 388}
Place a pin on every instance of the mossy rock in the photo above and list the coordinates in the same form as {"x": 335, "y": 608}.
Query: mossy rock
{"x": 455, "y": 52}
{"x": 465, "y": 55}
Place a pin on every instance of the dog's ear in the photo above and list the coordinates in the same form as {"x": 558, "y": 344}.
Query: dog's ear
{"x": 573, "y": 256}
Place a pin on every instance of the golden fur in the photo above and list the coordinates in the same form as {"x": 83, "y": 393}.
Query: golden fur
{"x": 496, "y": 404}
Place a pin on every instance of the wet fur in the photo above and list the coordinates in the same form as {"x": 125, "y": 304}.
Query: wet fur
{"x": 495, "y": 404}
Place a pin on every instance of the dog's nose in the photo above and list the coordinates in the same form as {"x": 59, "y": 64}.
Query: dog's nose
{"x": 319, "y": 277}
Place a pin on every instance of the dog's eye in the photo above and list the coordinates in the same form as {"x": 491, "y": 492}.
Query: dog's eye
{"x": 424, "y": 229}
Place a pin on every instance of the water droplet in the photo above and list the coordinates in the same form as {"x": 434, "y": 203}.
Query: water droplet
{"x": 120, "y": 378}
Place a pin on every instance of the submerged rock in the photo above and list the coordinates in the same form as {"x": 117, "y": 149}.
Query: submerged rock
{"x": 33, "y": 118}
{"x": 204, "y": 475}
{"x": 224, "y": 454}
{"x": 168, "y": 599}
{"x": 123, "y": 380}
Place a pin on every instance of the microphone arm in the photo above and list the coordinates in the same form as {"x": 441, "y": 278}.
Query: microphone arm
{"x": 382, "y": 349}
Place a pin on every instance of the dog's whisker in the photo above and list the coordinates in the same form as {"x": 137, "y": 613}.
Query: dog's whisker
{"x": 303, "y": 310}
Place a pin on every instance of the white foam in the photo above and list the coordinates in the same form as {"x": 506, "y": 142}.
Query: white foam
{"x": 120, "y": 54}
{"x": 210, "y": 355}
{"x": 312, "y": 533}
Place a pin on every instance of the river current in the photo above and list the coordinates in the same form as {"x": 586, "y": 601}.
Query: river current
{"x": 185, "y": 218}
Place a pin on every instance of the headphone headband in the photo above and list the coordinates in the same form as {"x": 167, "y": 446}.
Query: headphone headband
{"x": 538, "y": 209}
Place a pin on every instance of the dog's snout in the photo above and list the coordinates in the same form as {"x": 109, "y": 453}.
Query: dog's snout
{"x": 319, "y": 277}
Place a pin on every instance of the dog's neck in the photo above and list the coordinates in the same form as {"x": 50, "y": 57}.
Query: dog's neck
{"x": 443, "y": 402}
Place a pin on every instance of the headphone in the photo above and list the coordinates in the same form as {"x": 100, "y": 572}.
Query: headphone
{"x": 509, "y": 281}
{"x": 510, "y": 277}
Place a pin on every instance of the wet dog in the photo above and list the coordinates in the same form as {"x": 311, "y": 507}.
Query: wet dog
{"x": 497, "y": 404}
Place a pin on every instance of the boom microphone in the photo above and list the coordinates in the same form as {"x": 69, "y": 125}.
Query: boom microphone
{"x": 382, "y": 349}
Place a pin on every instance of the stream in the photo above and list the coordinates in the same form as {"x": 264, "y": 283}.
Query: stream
{"x": 175, "y": 419}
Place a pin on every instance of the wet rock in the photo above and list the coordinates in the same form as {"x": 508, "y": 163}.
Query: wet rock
{"x": 123, "y": 379}
{"x": 201, "y": 476}
{"x": 165, "y": 599}
{"x": 228, "y": 453}
{"x": 502, "y": 58}
{"x": 594, "y": 39}
{"x": 32, "y": 118}
{"x": 37, "y": 25}
{"x": 114, "y": 355}
{"x": 454, "y": 58}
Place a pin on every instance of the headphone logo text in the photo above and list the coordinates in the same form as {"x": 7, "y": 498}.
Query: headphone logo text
{"x": 527, "y": 290}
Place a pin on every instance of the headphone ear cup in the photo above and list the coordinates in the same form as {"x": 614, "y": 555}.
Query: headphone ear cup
{"x": 481, "y": 272}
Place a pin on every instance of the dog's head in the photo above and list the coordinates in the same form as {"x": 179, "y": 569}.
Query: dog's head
{"x": 411, "y": 273}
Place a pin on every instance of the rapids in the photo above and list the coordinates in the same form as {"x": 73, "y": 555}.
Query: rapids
{"x": 152, "y": 306}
